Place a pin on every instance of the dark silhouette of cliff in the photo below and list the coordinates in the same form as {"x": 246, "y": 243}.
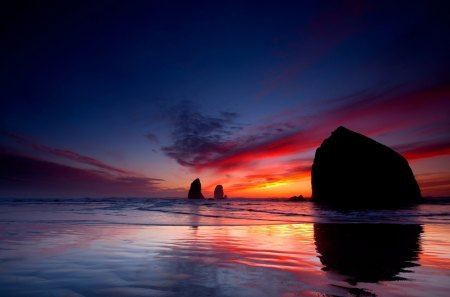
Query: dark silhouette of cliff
{"x": 350, "y": 169}
{"x": 368, "y": 252}
{"x": 195, "y": 191}
{"x": 218, "y": 192}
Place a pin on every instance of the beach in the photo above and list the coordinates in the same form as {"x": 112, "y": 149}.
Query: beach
{"x": 172, "y": 247}
{"x": 225, "y": 149}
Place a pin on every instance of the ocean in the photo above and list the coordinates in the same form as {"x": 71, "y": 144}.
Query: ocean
{"x": 232, "y": 247}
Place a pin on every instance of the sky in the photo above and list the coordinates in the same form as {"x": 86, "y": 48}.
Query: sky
{"x": 139, "y": 98}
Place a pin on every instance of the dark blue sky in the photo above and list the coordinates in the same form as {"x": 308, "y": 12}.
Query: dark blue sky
{"x": 166, "y": 91}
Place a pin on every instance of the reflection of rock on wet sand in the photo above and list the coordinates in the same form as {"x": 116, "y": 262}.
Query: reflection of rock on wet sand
{"x": 367, "y": 252}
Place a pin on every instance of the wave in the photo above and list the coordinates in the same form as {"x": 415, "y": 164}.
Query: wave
{"x": 183, "y": 212}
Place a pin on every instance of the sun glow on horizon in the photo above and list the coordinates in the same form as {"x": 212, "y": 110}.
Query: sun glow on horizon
{"x": 269, "y": 185}
{"x": 277, "y": 189}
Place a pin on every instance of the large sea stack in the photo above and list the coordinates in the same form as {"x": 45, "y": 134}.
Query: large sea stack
{"x": 351, "y": 169}
{"x": 218, "y": 192}
{"x": 195, "y": 191}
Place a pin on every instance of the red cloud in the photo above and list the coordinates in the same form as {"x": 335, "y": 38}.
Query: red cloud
{"x": 372, "y": 115}
{"x": 70, "y": 155}
{"x": 425, "y": 150}
{"x": 275, "y": 174}
{"x": 270, "y": 149}
{"x": 436, "y": 184}
{"x": 24, "y": 176}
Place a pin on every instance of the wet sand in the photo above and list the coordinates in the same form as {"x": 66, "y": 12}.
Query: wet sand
{"x": 67, "y": 259}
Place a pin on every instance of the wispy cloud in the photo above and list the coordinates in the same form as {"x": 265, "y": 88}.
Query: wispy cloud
{"x": 63, "y": 153}
{"x": 152, "y": 138}
{"x": 196, "y": 138}
{"x": 435, "y": 184}
{"x": 370, "y": 113}
{"x": 24, "y": 176}
{"x": 261, "y": 149}
{"x": 421, "y": 150}
{"x": 223, "y": 148}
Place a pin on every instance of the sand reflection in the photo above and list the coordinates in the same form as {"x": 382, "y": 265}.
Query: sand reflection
{"x": 269, "y": 260}
{"x": 273, "y": 260}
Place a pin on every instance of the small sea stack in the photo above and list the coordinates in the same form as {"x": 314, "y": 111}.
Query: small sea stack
{"x": 298, "y": 198}
{"x": 195, "y": 191}
{"x": 351, "y": 169}
{"x": 218, "y": 192}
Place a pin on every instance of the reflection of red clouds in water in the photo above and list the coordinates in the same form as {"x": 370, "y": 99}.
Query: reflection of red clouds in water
{"x": 435, "y": 247}
{"x": 434, "y": 261}
{"x": 54, "y": 239}
{"x": 281, "y": 247}
{"x": 269, "y": 260}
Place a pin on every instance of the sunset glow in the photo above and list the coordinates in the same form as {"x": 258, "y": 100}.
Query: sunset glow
{"x": 225, "y": 148}
{"x": 142, "y": 106}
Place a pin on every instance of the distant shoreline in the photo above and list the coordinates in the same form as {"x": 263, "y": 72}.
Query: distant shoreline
{"x": 426, "y": 199}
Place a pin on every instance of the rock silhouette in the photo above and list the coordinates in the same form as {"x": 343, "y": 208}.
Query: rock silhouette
{"x": 298, "y": 198}
{"x": 195, "y": 191}
{"x": 218, "y": 192}
{"x": 368, "y": 252}
{"x": 350, "y": 169}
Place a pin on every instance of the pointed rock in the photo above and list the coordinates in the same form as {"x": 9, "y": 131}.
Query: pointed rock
{"x": 350, "y": 169}
{"x": 195, "y": 191}
{"x": 218, "y": 192}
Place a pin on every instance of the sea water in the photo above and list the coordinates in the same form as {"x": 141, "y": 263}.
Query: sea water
{"x": 232, "y": 247}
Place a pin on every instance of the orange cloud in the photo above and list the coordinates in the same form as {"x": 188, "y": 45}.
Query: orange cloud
{"x": 435, "y": 184}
